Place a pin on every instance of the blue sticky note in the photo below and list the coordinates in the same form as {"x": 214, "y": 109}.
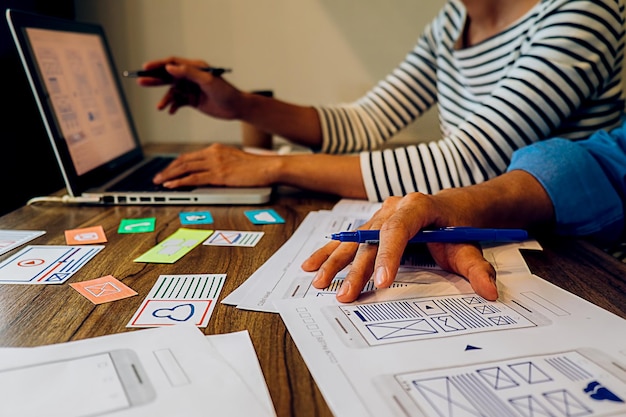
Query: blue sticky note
{"x": 195, "y": 217}
{"x": 265, "y": 216}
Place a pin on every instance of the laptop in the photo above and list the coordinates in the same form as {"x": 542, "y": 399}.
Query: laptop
{"x": 71, "y": 72}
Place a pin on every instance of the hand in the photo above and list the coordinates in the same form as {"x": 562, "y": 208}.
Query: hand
{"x": 193, "y": 87}
{"x": 399, "y": 219}
{"x": 218, "y": 165}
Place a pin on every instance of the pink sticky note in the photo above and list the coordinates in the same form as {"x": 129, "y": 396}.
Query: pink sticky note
{"x": 85, "y": 236}
{"x": 104, "y": 289}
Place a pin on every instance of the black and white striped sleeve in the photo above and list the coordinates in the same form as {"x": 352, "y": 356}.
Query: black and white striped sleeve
{"x": 559, "y": 75}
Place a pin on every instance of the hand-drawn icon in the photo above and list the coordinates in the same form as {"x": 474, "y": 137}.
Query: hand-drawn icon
{"x": 401, "y": 328}
{"x": 172, "y": 246}
{"x": 30, "y": 262}
{"x": 57, "y": 277}
{"x": 101, "y": 290}
{"x": 85, "y": 237}
{"x": 195, "y": 218}
{"x": 144, "y": 225}
{"x": 181, "y": 312}
{"x": 600, "y": 393}
{"x": 267, "y": 216}
{"x": 264, "y": 216}
{"x": 137, "y": 225}
{"x": 226, "y": 238}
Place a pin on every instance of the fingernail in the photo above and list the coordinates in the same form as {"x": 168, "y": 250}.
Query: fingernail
{"x": 343, "y": 290}
{"x": 380, "y": 276}
{"x": 317, "y": 278}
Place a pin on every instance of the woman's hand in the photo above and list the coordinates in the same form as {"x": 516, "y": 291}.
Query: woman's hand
{"x": 399, "y": 219}
{"x": 210, "y": 94}
{"x": 219, "y": 165}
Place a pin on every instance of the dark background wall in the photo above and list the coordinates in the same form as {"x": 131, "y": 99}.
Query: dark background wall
{"x": 27, "y": 165}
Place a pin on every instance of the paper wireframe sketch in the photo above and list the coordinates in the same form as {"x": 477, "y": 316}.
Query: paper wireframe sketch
{"x": 174, "y": 371}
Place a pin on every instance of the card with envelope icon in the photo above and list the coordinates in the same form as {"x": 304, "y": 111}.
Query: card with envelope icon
{"x": 103, "y": 289}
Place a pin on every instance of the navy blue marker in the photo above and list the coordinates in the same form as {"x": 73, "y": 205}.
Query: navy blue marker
{"x": 445, "y": 235}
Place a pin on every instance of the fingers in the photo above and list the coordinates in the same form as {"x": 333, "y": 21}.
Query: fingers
{"x": 359, "y": 273}
{"x": 467, "y": 260}
{"x": 218, "y": 165}
{"x": 402, "y": 220}
{"x": 167, "y": 64}
{"x": 398, "y": 220}
{"x": 334, "y": 257}
{"x": 328, "y": 261}
{"x": 313, "y": 262}
{"x": 186, "y": 78}
{"x": 180, "y": 166}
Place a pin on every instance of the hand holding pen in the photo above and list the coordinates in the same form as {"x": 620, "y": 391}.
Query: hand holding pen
{"x": 192, "y": 83}
{"x": 414, "y": 217}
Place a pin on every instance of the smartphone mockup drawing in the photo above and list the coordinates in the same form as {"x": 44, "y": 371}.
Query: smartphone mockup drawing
{"x": 84, "y": 386}
{"x": 577, "y": 382}
{"x": 412, "y": 319}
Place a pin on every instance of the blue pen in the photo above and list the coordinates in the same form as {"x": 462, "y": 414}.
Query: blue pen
{"x": 445, "y": 234}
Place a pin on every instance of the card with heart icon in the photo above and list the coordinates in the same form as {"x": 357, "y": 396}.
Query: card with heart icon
{"x": 176, "y": 299}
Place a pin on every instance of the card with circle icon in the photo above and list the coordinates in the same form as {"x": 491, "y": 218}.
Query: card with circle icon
{"x": 178, "y": 299}
{"x": 264, "y": 216}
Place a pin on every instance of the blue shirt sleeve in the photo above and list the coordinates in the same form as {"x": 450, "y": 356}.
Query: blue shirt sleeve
{"x": 581, "y": 182}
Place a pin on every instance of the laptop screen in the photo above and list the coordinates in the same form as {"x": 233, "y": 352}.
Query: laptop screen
{"x": 83, "y": 96}
{"x": 75, "y": 84}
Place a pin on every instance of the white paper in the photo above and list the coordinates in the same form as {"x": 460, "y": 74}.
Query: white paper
{"x": 11, "y": 239}
{"x": 537, "y": 351}
{"x": 182, "y": 373}
{"x": 237, "y": 350}
{"x": 281, "y": 276}
{"x": 257, "y": 291}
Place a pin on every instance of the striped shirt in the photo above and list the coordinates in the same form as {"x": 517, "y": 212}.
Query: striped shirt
{"x": 557, "y": 71}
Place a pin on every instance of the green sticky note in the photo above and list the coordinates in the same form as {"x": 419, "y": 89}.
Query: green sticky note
{"x": 137, "y": 225}
{"x": 175, "y": 246}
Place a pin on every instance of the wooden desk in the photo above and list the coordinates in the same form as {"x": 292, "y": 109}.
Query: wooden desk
{"x": 33, "y": 315}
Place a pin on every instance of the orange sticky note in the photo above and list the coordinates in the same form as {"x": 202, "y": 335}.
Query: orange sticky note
{"x": 103, "y": 289}
{"x": 85, "y": 236}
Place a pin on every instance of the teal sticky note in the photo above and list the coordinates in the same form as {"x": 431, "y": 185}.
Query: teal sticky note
{"x": 137, "y": 225}
{"x": 195, "y": 217}
{"x": 264, "y": 216}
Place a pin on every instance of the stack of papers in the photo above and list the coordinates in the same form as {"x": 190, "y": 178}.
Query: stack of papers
{"x": 430, "y": 347}
{"x": 281, "y": 276}
{"x": 173, "y": 371}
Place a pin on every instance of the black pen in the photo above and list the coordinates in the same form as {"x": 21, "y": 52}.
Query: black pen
{"x": 161, "y": 72}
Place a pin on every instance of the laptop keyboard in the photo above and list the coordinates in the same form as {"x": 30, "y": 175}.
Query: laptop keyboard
{"x": 141, "y": 179}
